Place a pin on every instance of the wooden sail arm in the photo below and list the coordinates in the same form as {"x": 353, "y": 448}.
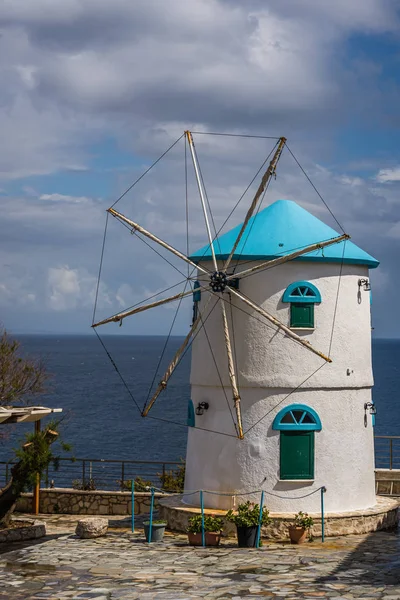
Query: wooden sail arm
{"x": 154, "y": 238}
{"x": 121, "y": 315}
{"x": 173, "y": 364}
{"x": 264, "y": 181}
{"x": 231, "y": 371}
{"x": 202, "y": 196}
{"x": 282, "y": 259}
{"x": 280, "y": 325}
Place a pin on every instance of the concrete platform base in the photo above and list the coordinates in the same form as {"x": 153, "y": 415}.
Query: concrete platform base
{"x": 384, "y": 515}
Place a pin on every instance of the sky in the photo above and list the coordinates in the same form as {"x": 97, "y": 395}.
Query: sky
{"x": 94, "y": 91}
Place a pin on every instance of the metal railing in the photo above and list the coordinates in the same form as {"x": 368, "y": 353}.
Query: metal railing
{"x": 108, "y": 474}
{"x": 100, "y": 474}
{"x": 387, "y": 451}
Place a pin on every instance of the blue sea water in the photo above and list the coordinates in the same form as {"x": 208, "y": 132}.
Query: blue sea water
{"x": 101, "y": 419}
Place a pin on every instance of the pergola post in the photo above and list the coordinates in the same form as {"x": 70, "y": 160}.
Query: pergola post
{"x": 36, "y": 489}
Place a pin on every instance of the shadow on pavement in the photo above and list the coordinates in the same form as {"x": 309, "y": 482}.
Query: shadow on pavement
{"x": 375, "y": 561}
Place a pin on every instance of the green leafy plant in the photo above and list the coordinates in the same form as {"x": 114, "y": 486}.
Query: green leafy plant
{"x": 173, "y": 480}
{"x": 22, "y": 379}
{"x": 248, "y": 515}
{"x": 211, "y": 524}
{"x": 303, "y": 520}
{"x": 155, "y": 522}
{"x": 141, "y": 485}
{"x": 87, "y": 485}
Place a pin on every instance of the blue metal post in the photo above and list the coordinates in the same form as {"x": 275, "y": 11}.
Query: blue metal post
{"x": 260, "y": 520}
{"x": 151, "y": 514}
{"x": 203, "y": 534}
{"x": 323, "y": 490}
{"x": 133, "y": 504}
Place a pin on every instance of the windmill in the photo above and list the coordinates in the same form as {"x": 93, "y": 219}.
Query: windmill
{"x": 264, "y": 412}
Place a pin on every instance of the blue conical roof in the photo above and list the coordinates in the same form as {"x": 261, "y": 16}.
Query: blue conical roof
{"x": 281, "y": 228}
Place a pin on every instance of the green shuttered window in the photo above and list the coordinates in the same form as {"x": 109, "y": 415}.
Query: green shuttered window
{"x": 301, "y": 315}
{"x": 297, "y": 455}
{"x": 302, "y": 296}
{"x": 297, "y": 424}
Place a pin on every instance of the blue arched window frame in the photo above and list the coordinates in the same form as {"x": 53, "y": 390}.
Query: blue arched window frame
{"x": 196, "y": 300}
{"x": 311, "y": 293}
{"x": 302, "y": 296}
{"x": 297, "y": 426}
{"x": 191, "y": 419}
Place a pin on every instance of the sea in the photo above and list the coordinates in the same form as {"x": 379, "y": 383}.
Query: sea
{"x": 102, "y": 388}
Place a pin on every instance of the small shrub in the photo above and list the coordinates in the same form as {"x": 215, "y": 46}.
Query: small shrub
{"x": 173, "y": 480}
{"x": 141, "y": 485}
{"x": 211, "y": 524}
{"x": 88, "y": 485}
{"x": 248, "y": 515}
{"x": 156, "y": 522}
{"x": 303, "y": 520}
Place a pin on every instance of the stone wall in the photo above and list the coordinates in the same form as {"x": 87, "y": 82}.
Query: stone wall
{"x": 384, "y": 515}
{"x": 35, "y": 530}
{"x": 76, "y": 502}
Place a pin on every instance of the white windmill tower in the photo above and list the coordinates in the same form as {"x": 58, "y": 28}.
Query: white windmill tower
{"x": 303, "y": 417}
{"x": 277, "y": 402}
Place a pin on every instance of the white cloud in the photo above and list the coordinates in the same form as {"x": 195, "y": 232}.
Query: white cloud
{"x": 79, "y": 71}
{"x": 388, "y": 175}
{"x": 76, "y": 70}
{"x": 64, "y": 198}
{"x": 73, "y": 288}
{"x": 352, "y": 181}
{"x": 64, "y": 288}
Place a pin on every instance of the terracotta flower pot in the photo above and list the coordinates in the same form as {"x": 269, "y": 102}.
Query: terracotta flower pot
{"x": 211, "y": 539}
{"x": 297, "y": 535}
{"x": 194, "y": 539}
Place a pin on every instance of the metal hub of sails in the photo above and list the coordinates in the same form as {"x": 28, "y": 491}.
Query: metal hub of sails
{"x": 218, "y": 281}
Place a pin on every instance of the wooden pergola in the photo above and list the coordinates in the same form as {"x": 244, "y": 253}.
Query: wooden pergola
{"x": 27, "y": 414}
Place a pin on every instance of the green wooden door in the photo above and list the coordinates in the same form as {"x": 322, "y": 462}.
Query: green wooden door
{"x": 301, "y": 315}
{"x": 297, "y": 455}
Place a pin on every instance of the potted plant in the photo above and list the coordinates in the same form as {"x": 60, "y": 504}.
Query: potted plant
{"x": 301, "y": 526}
{"x": 157, "y": 530}
{"x": 212, "y": 528}
{"x": 247, "y": 520}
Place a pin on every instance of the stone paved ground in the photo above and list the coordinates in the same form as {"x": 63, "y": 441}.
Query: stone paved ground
{"x": 124, "y": 566}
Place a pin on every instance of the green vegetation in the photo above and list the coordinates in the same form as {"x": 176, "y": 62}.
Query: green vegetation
{"x": 248, "y": 515}
{"x": 211, "y": 524}
{"x": 303, "y": 520}
{"x": 173, "y": 480}
{"x": 21, "y": 380}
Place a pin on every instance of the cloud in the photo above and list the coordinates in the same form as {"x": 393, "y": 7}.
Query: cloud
{"x": 73, "y": 288}
{"x": 64, "y": 198}
{"x": 79, "y": 73}
{"x": 75, "y": 71}
{"x": 388, "y": 175}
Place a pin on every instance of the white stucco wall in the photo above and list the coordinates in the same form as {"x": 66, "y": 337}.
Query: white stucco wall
{"x": 270, "y": 365}
{"x": 344, "y": 455}
{"x": 268, "y": 358}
